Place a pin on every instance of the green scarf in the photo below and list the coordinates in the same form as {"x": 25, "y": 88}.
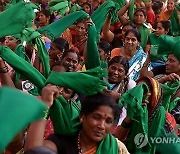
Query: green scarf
{"x": 32, "y": 37}
{"x": 131, "y": 10}
{"x": 168, "y": 90}
{"x": 100, "y": 14}
{"x": 175, "y": 25}
{"x": 144, "y": 31}
{"x": 88, "y": 82}
{"x": 169, "y": 45}
{"x": 61, "y": 6}
{"x": 55, "y": 29}
{"x": 20, "y": 51}
{"x": 154, "y": 40}
{"x": 93, "y": 59}
{"x": 16, "y": 18}
{"x": 132, "y": 100}
{"x": 24, "y": 68}
{"x": 17, "y": 110}
{"x": 108, "y": 145}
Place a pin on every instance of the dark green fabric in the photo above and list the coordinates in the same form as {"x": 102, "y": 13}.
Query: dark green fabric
{"x": 65, "y": 117}
{"x": 173, "y": 143}
{"x": 131, "y": 10}
{"x": 93, "y": 57}
{"x": 32, "y": 37}
{"x": 59, "y": 6}
{"x": 175, "y": 25}
{"x": 108, "y": 145}
{"x": 17, "y": 110}
{"x": 132, "y": 100}
{"x": 88, "y": 82}
{"x": 100, "y": 14}
{"x": 23, "y": 67}
{"x": 20, "y": 51}
{"x": 169, "y": 45}
{"x": 55, "y": 29}
{"x": 19, "y": 16}
{"x": 168, "y": 90}
{"x": 43, "y": 56}
{"x": 154, "y": 42}
{"x": 144, "y": 31}
{"x": 120, "y": 2}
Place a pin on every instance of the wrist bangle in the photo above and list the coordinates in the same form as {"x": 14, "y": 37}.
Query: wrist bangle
{"x": 46, "y": 114}
{"x": 126, "y": 125}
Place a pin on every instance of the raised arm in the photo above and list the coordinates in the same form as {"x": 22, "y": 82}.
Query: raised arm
{"x": 121, "y": 13}
{"x": 35, "y": 135}
{"x": 107, "y": 34}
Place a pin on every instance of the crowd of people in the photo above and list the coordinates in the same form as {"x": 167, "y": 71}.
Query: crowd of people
{"x": 89, "y": 76}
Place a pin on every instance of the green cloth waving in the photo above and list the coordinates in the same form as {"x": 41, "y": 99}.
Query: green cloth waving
{"x": 88, "y": 82}
{"x": 16, "y": 18}
{"x": 175, "y": 23}
{"x": 24, "y": 68}
{"x": 169, "y": 45}
{"x": 17, "y": 110}
{"x": 60, "y": 6}
{"x": 100, "y": 14}
{"x": 55, "y": 29}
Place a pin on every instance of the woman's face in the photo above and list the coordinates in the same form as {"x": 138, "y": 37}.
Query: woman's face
{"x": 170, "y": 5}
{"x": 97, "y": 125}
{"x": 131, "y": 42}
{"x": 139, "y": 18}
{"x": 43, "y": 19}
{"x": 86, "y": 8}
{"x": 70, "y": 61}
{"x": 80, "y": 29}
{"x": 172, "y": 65}
{"x": 160, "y": 30}
{"x": 10, "y": 42}
{"x": 116, "y": 73}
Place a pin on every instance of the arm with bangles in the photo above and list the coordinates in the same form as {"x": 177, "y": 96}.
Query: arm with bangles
{"x": 35, "y": 134}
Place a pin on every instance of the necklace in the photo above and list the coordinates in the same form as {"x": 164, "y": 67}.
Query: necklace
{"x": 78, "y": 143}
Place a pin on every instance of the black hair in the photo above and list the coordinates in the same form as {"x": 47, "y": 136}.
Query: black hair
{"x": 2, "y": 39}
{"x": 157, "y": 6}
{"x": 129, "y": 24}
{"x": 140, "y": 10}
{"x": 121, "y": 60}
{"x": 104, "y": 45}
{"x": 93, "y": 102}
{"x": 72, "y": 51}
{"x": 61, "y": 43}
{"x": 40, "y": 150}
{"x": 135, "y": 32}
{"x": 47, "y": 13}
{"x": 165, "y": 24}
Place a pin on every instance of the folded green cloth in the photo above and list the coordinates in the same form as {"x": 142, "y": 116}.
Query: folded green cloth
{"x": 16, "y": 18}
{"x": 17, "y": 110}
{"x": 169, "y": 45}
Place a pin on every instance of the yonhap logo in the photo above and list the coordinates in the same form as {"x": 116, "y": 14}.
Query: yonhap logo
{"x": 140, "y": 140}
